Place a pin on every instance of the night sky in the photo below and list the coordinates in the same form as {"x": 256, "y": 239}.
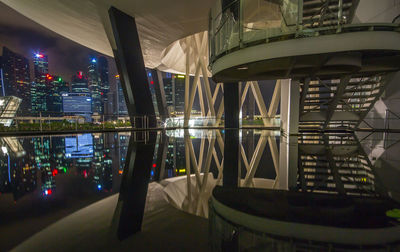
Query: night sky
{"x": 26, "y": 37}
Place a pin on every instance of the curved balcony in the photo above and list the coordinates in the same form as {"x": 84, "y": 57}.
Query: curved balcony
{"x": 258, "y": 39}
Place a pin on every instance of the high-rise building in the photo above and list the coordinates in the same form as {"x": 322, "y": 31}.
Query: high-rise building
{"x": 15, "y": 78}
{"x": 39, "y": 86}
{"x": 122, "y": 109}
{"x": 79, "y": 83}
{"x": 105, "y": 85}
{"x": 179, "y": 93}
{"x": 56, "y": 86}
{"x": 95, "y": 87}
{"x": 169, "y": 89}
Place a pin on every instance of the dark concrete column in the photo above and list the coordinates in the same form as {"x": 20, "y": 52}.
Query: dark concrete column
{"x": 231, "y": 141}
{"x": 160, "y": 94}
{"x": 131, "y": 68}
{"x": 231, "y": 104}
{"x": 128, "y": 215}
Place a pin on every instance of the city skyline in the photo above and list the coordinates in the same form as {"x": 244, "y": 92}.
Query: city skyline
{"x": 28, "y": 38}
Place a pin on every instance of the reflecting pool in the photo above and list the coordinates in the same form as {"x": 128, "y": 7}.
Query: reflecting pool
{"x": 44, "y": 179}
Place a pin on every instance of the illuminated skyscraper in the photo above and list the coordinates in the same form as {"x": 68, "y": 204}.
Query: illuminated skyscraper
{"x": 122, "y": 109}
{"x": 79, "y": 83}
{"x": 55, "y": 88}
{"x": 94, "y": 86}
{"x": 15, "y": 78}
{"x": 105, "y": 85}
{"x": 179, "y": 93}
{"x": 38, "y": 89}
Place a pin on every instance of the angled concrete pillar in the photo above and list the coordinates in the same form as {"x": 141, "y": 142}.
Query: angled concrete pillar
{"x": 160, "y": 93}
{"x": 131, "y": 68}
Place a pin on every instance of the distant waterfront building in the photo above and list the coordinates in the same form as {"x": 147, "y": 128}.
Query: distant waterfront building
{"x": 39, "y": 86}
{"x": 105, "y": 85}
{"x": 79, "y": 83}
{"x": 174, "y": 88}
{"x": 122, "y": 109}
{"x": 169, "y": 89}
{"x": 95, "y": 87}
{"x": 15, "y": 78}
{"x": 55, "y": 88}
{"x": 77, "y": 104}
{"x": 179, "y": 93}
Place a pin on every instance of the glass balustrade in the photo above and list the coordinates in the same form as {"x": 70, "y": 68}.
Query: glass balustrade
{"x": 243, "y": 23}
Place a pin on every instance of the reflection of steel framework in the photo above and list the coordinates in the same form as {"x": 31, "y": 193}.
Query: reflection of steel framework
{"x": 199, "y": 180}
{"x": 335, "y": 163}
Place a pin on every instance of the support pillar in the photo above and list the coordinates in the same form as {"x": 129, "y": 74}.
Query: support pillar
{"x": 290, "y": 99}
{"x": 231, "y": 143}
{"x": 160, "y": 94}
{"x": 231, "y": 104}
{"x": 131, "y": 68}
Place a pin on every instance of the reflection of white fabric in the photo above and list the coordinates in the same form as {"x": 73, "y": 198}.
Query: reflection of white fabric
{"x": 372, "y": 11}
{"x": 176, "y": 193}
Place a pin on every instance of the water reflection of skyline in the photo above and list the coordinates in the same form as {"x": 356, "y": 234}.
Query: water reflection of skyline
{"x": 29, "y": 164}
{"x": 187, "y": 165}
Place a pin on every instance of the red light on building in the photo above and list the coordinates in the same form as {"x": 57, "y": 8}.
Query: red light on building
{"x": 55, "y": 172}
{"x": 154, "y": 165}
{"x": 84, "y": 173}
{"x": 49, "y": 192}
{"x": 151, "y": 82}
{"x": 80, "y": 74}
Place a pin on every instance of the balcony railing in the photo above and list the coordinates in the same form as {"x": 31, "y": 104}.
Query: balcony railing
{"x": 243, "y": 23}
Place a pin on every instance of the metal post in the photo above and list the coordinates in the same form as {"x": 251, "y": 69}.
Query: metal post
{"x": 340, "y": 15}
{"x": 290, "y": 97}
{"x": 187, "y": 85}
{"x": 241, "y": 23}
{"x": 299, "y": 17}
{"x": 40, "y": 121}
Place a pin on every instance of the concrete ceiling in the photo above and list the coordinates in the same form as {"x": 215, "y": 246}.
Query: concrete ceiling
{"x": 86, "y": 22}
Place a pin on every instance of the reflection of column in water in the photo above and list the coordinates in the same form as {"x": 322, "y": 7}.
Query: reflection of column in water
{"x": 129, "y": 212}
{"x": 231, "y": 158}
{"x": 288, "y": 161}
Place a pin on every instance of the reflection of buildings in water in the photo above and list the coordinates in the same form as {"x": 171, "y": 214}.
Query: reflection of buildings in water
{"x": 101, "y": 164}
{"x": 25, "y": 160}
{"x": 122, "y": 142}
{"x": 17, "y": 171}
{"x": 42, "y": 154}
